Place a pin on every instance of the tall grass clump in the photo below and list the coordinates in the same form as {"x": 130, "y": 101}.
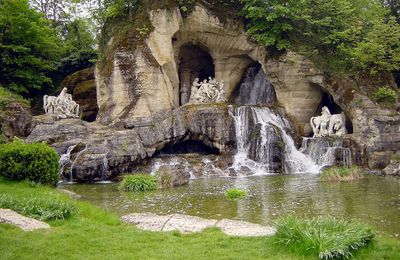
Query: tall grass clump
{"x": 138, "y": 182}
{"x": 327, "y": 238}
{"x": 35, "y": 162}
{"x": 45, "y": 207}
{"x": 341, "y": 174}
{"x": 234, "y": 193}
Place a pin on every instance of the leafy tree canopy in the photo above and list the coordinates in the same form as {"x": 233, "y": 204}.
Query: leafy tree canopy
{"x": 29, "y": 47}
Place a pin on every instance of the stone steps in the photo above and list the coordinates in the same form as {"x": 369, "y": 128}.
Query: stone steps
{"x": 191, "y": 224}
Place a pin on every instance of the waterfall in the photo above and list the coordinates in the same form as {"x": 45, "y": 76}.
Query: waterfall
{"x": 260, "y": 134}
{"x": 66, "y": 158}
{"x": 255, "y": 89}
{"x": 327, "y": 151}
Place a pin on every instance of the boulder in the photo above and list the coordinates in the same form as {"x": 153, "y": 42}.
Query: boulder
{"x": 15, "y": 120}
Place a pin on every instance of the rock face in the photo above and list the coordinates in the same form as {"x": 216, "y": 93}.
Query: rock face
{"x": 102, "y": 152}
{"x": 15, "y": 120}
{"x": 82, "y": 86}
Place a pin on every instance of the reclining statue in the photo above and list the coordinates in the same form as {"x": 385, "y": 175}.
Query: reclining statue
{"x": 207, "y": 91}
{"x": 62, "y": 106}
{"x": 328, "y": 125}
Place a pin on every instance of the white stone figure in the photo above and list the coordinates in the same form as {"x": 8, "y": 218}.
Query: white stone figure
{"x": 328, "y": 125}
{"x": 62, "y": 106}
{"x": 207, "y": 91}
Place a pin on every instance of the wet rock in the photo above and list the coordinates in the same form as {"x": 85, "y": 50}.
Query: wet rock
{"x": 26, "y": 224}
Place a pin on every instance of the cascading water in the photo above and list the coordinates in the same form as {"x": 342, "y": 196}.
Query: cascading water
{"x": 65, "y": 159}
{"x": 325, "y": 151}
{"x": 256, "y": 153}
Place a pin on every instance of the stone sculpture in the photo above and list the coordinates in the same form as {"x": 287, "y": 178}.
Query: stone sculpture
{"x": 328, "y": 125}
{"x": 62, "y": 106}
{"x": 207, "y": 91}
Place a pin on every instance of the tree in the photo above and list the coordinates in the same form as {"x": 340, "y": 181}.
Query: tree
{"x": 29, "y": 47}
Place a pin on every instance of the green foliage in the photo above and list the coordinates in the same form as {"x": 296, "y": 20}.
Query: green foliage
{"x": 29, "y": 47}
{"x": 234, "y": 193}
{"x": 165, "y": 179}
{"x": 385, "y": 95}
{"x": 34, "y": 162}
{"x": 327, "y": 238}
{"x": 138, "y": 182}
{"x": 7, "y": 97}
{"x": 341, "y": 174}
{"x": 47, "y": 207}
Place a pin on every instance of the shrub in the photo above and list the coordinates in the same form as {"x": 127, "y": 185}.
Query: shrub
{"x": 165, "y": 179}
{"x": 34, "y": 162}
{"x": 341, "y": 174}
{"x": 385, "y": 95}
{"x": 49, "y": 207}
{"x": 138, "y": 182}
{"x": 235, "y": 193}
{"x": 328, "y": 238}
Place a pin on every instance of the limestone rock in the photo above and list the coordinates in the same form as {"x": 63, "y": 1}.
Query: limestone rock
{"x": 188, "y": 224}
{"x": 82, "y": 86}
{"x": 147, "y": 221}
{"x": 26, "y": 224}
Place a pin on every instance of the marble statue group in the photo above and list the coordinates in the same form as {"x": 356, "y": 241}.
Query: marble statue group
{"x": 207, "y": 91}
{"x": 62, "y": 106}
{"x": 328, "y": 125}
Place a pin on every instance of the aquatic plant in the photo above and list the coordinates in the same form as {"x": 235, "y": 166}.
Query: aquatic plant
{"x": 327, "y": 238}
{"x": 138, "y": 182}
{"x": 341, "y": 174}
{"x": 235, "y": 193}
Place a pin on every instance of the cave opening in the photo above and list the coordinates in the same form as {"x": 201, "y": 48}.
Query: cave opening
{"x": 327, "y": 101}
{"x": 188, "y": 147}
{"x": 194, "y": 62}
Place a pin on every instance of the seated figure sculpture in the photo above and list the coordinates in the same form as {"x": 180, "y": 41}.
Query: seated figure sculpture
{"x": 328, "y": 125}
{"x": 207, "y": 91}
{"x": 62, "y": 106}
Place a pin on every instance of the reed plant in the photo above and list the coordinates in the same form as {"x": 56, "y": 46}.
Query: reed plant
{"x": 138, "y": 183}
{"x": 342, "y": 174}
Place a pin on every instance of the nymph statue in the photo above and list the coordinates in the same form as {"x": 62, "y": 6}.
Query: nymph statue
{"x": 62, "y": 106}
{"x": 328, "y": 125}
{"x": 207, "y": 91}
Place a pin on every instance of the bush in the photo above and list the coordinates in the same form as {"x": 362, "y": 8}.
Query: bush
{"x": 49, "y": 207}
{"x": 165, "y": 179}
{"x": 34, "y": 162}
{"x": 328, "y": 238}
{"x": 138, "y": 182}
{"x": 235, "y": 193}
{"x": 341, "y": 174}
{"x": 385, "y": 95}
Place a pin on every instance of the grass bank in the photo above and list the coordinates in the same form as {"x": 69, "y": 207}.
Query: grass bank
{"x": 92, "y": 233}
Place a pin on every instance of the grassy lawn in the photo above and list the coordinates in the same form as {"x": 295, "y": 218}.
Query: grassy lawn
{"x": 92, "y": 233}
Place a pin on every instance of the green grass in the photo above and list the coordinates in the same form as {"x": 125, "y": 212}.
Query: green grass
{"x": 234, "y": 193}
{"x": 327, "y": 238}
{"x": 341, "y": 174}
{"x": 138, "y": 183}
{"x": 92, "y": 233}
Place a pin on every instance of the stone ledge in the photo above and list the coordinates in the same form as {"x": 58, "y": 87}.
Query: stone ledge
{"x": 26, "y": 224}
{"x": 190, "y": 224}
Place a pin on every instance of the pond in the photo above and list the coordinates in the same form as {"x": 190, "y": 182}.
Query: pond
{"x": 374, "y": 200}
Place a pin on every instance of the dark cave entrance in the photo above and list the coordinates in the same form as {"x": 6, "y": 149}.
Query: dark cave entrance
{"x": 327, "y": 101}
{"x": 188, "y": 147}
{"x": 194, "y": 62}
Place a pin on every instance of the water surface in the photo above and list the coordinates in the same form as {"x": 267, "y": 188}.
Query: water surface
{"x": 374, "y": 200}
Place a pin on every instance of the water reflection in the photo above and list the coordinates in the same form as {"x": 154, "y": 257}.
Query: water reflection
{"x": 375, "y": 200}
